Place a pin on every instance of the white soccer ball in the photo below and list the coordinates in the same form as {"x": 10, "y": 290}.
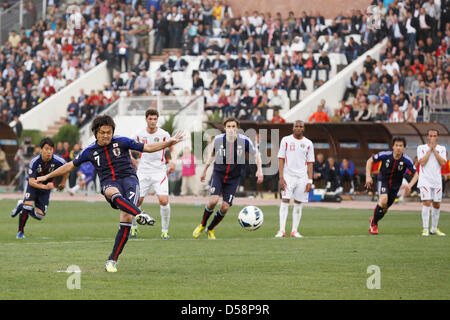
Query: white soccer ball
{"x": 251, "y": 218}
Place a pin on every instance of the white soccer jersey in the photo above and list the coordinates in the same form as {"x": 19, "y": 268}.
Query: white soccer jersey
{"x": 430, "y": 173}
{"x": 296, "y": 153}
{"x": 155, "y": 161}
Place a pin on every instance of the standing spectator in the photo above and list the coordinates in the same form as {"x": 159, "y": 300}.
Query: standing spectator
{"x": 188, "y": 181}
{"x": 174, "y": 19}
{"x": 111, "y": 59}
{"x": 123, "y": 52}
{"x": 351, "y": 50}
{"x": 347, "y": 173}
{"x": 18, "y": 127}
{"x": 73, "y": 111}
{"x": 334, "y": 180}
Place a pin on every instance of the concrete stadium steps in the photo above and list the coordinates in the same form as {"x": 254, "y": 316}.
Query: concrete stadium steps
{"x": 53, "y": 129}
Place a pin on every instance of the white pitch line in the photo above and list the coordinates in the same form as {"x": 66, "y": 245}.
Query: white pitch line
{"x": 190, "y": 239}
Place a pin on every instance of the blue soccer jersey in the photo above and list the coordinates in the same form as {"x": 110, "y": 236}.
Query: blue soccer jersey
{"x": 39, "y": 167}
{"x": 393, "y": 170}
{"x": 113, "y": 161}
{"x": 230, "y": 156}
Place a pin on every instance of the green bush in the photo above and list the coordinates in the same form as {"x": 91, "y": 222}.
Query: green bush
{"x": 67, "y": 133}
{"x": 169, "y": 124}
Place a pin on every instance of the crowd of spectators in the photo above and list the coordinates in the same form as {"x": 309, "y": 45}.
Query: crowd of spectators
{"x": 412, "y": 74}
{"x": 262, "y": 42}
{"x": 282, "y": 51}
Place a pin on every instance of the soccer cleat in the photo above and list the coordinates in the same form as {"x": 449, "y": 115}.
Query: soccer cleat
{"x": 373, "y": 228}
{"x": 144, "y": 219}
{"x": 14, "y": 211}
{"x": 110, "y": 266}
{"x": 165, "y": 236}
{"x": 198, "y": 231}
{"x": 425, "y": 233}
{"x": 295, "y": 234}
{"x": 211, "y": 235}
{"x": 69, "y": 191}
{"x": 280, "y": 234}
{"x": 20, "y": 235}
{"x": 133, "y": 233}
{"x": 438, "y": 232}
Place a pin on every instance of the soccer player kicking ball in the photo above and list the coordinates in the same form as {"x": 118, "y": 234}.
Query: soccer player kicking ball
{"x": 228, "y": 154}
{"x": 295, "y": 164}
{"x": 152, "y": 171}
{"x": 393, "y": 167}
{"x": 37, "y": 195}
{"x": 431, "y": 158}
{"x": 110, "y": 156}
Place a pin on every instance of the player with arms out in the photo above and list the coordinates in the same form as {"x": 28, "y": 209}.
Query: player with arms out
{"x": 228, "y": 154}
{"x": 37, "y": 195}
{"x": 295, "y": 165}
{"x": 111, "y": 158}
{"x": 431, "y": 158}
{"x": 152, "y": 170}
{"x": 392, "y": 170}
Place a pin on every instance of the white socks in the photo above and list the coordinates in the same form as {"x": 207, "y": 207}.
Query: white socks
{"x": 75, "y": 188}
{"x": 284, "y": 207}
{"x": 435, "y": 213}
{"x": 296, "y": 216}
{"x": 435, "y": 218}
{"x": 165, "y": 217}
{"x": 425, "y": 216}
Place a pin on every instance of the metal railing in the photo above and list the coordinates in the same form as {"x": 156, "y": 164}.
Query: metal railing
{"x": 22, "y": 14}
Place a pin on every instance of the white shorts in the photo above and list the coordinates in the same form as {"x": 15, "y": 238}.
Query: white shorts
{"x": 434, "y": 194}
{"x": 295, "y": 188}
{"x": 157, "y": 180}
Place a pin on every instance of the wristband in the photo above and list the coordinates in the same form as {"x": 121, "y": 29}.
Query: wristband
{"x": 310, "y": 181}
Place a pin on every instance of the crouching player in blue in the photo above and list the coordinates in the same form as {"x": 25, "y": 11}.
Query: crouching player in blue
{"x": 228, "y": 154}
{"x": 37, "y": 195}
{"x": 86, "y": 175}
{"x": 110, "y": 156}
{"x": 393, "y": 167}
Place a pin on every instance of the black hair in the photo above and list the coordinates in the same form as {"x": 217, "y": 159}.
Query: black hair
{"x": 100, "y": 121}
{"x": 399, "y": 139}
{"x": 47, "y": 140}
{"x": 151, "y": 112}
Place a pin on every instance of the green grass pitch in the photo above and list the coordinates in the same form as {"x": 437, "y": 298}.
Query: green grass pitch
{"x": 331, "y": 262}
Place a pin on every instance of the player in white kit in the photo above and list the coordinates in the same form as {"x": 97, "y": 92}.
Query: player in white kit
{"x": 152, "y": 170}
{"x": 431, "y": 158}
{"x": 296, "y": 159}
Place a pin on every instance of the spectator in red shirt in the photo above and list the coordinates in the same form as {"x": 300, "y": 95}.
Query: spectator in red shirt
{"x": 67, "y": 47}
{"x": 319, "y": 115}
{"x": 277, "y": 118}
{"x": 47, "y": 89}
{"x": 417, "y": 66}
